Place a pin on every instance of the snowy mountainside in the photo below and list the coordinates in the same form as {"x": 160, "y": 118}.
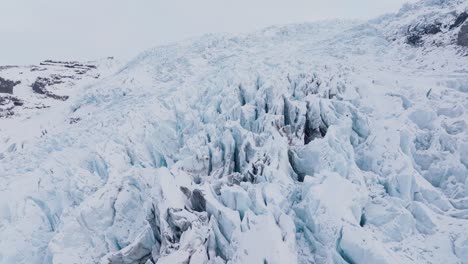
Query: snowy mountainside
{"x": 428, "y": 23}
{"x": 27, "y": 92}
{"x": 328, "y": 142}
{"x": 25, "y": 88}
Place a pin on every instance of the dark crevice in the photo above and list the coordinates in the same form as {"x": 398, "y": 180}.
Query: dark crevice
{"x": 198, "y": 201}
{"x": 323, "y": 127}
{"x": 50, "y": 217}
{"x": 237, "y": 166}
{"x": 130, "y": 156}
{"x": 308, "y": 131}
{"x": 210, "y": 162}
{"x": 340, "y": 251}
{"x": 287, "y": 120}
{"x": 311, "y": 131}
{"x": 242, "y": 96}
{"x": 258, "y": 83}
{"x": 300, "y": 176}
{"x": 323, "y": 130}
{"x": 185, "y": 191}
{"x": 363, "y": 220}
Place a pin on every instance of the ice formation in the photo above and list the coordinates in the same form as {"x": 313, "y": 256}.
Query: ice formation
{"x": 327, "y": 142}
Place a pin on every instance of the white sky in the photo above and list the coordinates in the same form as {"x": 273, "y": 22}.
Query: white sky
{"x": 34, "y": 30}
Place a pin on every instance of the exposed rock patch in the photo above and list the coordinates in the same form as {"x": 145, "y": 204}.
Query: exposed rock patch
{"x": 6, "y": 86}
{"x": 198, "y": 201}
{"x": 7, "y": 104}
{"x": 79, "y": 68}
{"x": 35, "y": 85}
{"x": 416, "y": 34}
{"x": 460, "y": 19}
{"x": 463, "y": 36}
{"x": 40, "y": 87}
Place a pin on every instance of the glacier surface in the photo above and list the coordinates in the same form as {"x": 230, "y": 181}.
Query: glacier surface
{"x": 327, "y": 142}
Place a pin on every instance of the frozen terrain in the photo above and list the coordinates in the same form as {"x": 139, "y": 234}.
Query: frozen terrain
{"x": 328, "y": 142}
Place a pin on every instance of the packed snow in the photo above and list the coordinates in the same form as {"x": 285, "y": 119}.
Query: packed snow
{"x": 326, "y": 142}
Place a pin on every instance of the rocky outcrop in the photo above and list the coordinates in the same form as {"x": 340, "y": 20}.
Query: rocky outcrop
{"x": 463, "y": 36}
{"x": 428, "y": 28}
{"x": 460, "y": 19}
{"x": 7, "y": 103}
{"x": 42, "y": 84}
{"x": 40, "y": 87}
{"x": 79, "y": 68}
{"x": 6, "y": 86}
{"x": 416, "y": 33}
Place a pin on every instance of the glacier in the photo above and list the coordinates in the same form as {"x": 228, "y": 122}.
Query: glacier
{"x": 325, "y": 142}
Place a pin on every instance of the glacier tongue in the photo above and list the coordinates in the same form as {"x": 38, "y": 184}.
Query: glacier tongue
{"x": 315, "y": 143}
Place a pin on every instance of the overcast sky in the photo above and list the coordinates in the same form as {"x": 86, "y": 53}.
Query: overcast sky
{"x": 34, "y": 30}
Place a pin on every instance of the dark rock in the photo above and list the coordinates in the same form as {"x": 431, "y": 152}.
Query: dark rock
{"x": 432, "y": 29}
{"x": 17, "y": 102}
{"x": 40, "y": 87}
{"x": 6, "y": 86}
{"x": 198, "y": 201}
{"x": 8, "y": 110}
{"x": 74, "y": 120}
{"x": 460, "y": 19}
{"x": 463, "y": 36}
{"x": 414, "y": 40}
{"x": 416, "y": 34}
{"x": 186, "y": 191}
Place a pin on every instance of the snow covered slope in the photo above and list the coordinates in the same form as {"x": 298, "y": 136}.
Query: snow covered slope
{"x": 26, "y": 88}
{"x": 329, "y": 142}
